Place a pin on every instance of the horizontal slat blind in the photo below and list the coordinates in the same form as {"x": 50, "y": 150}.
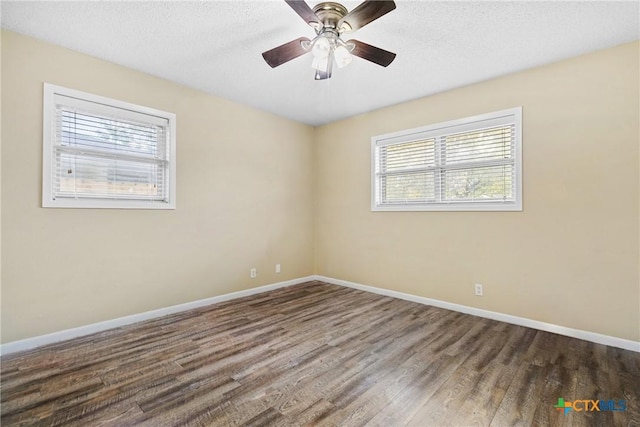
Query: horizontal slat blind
{"x": 408, "y": 156}
{"x": 465, "y": 162}
{"x": 480, "y": 146}
{"x": 408, "y": 188}
{"x": 405, "y": 174}
{"x": 494, "y": 183}
{"x": 103, "y": 156}
{"x": 479, "y": 165}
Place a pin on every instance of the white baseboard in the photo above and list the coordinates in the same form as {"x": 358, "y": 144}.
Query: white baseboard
{"x": 521, "y": 321}
{"x": 30, "y": 343}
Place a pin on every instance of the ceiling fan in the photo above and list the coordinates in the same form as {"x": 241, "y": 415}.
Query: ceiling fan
{"x": 330, "y": 20}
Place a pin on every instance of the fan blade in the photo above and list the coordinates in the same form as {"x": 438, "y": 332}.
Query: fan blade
{"x": 303, "y": 9}
{"x": 372, "y": 53}
{"x": 368, "y": 11}
{"x": 285, "y": 53}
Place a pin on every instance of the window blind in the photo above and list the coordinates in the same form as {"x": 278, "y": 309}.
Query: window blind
{"x": 106, "y": 151}
{"x": 408, "y": 172}
{"x": 479, "y": 165}
{"x": 97, "y": 156}
{"x": 467, "y": 163}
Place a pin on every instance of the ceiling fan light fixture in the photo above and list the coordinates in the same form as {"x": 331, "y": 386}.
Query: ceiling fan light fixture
{"x": 330, "y": 20}
{"x": 342, "y": 56}
{"x": 320, "y": 63}
{"x": 321, "y": 47}
{"x": 342, "y": 52}
{"x": 326, "y": 48}
{"x": 325, "y": 67}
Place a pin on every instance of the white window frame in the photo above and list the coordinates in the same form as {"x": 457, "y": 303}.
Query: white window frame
{"x": 107, "y": 106}
{"x": 483, "y": 121}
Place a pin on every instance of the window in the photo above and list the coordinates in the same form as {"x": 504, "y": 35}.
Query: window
{"x": 462, "y": 165}
{"x": 103, "y": 153}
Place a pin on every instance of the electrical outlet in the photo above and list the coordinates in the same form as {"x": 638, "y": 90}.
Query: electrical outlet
{"x": 478, "y": 288}
{"x": 253, "y": 273}
{"x": 277, "y": 268}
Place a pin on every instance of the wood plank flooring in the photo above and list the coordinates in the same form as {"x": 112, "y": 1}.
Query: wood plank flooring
{"x": 318, "y": 354}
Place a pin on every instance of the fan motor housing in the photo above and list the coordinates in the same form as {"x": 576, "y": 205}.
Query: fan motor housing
{"x": 330, "y": 13}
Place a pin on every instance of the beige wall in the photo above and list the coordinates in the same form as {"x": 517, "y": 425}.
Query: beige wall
{"x": 244, "y": 198}
{"x": 570, "y": 258}
{"x": 1, "y": 33}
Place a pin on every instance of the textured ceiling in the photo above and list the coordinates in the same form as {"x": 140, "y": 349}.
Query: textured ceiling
{"x": 216, "y": 46}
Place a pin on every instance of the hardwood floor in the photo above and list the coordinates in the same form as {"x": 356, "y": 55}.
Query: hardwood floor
{"x": 323, "y": 355}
